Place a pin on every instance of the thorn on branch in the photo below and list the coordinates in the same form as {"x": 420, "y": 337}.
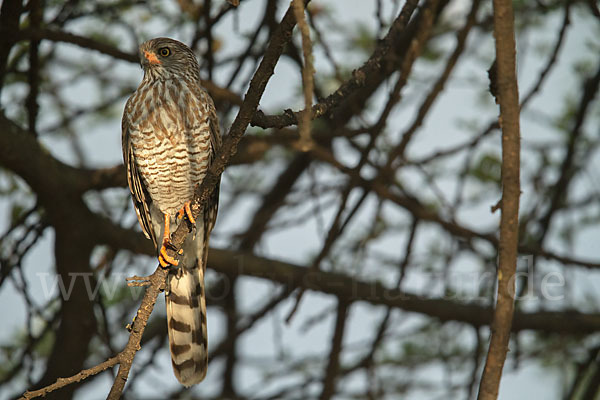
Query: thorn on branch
{"x": 129, "y": 327}
{"x": 496, "y": 206}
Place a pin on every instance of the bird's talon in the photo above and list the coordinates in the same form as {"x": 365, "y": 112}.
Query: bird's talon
{"x": 186, "y": 210}
{"x": 162, "y": 262}
{"x": 164, "y": 259}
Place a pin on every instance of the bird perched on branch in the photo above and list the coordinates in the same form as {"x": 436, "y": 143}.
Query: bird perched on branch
{"x": 170, "y": 136}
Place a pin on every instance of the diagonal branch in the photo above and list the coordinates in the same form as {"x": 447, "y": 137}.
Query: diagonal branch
{"x": 157, "y": 284}
{"x": 55, "y": 35}
{"x": 461, "y": 38}
{"x": 62, "y": 382}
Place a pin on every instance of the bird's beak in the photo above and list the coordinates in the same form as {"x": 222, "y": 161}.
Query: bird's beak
{"x": 151, "y": 57}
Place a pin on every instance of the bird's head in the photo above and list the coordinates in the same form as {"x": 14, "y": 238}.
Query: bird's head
{"x": 164, "y": 58}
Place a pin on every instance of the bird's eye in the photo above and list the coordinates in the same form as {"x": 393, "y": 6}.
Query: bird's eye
{"x": 164, "y": 52}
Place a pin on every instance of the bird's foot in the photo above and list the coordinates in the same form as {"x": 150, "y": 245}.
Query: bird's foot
{"x": 186, "y": 210}
{"x": 163, "y": 258}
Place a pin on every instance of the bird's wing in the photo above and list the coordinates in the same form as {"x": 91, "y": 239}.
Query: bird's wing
{"x": 141, "y": 199}
{"x": 215, "y": 146}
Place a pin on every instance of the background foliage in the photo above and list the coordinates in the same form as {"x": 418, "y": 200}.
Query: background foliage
{"x": 390, "y": 211}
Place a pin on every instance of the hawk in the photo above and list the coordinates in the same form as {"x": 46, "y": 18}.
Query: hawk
{"x": 170, "y": 135}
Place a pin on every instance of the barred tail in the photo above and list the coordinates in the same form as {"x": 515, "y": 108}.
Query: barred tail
{"x": 186, "y": 318}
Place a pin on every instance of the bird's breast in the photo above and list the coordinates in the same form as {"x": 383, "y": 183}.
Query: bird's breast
{"x": 170, "y": 135}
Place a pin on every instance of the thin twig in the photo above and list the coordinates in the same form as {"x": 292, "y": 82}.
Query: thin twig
{"x": 62, "y": 382}
{"x": 436, "y": 89}
{"x": 554, "y": 55}
{"x": 308, "y": 71}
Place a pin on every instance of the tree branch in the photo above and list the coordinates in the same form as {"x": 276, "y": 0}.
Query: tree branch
{"x": 333, "y": 366}
{"x": 81, "y": 41}
{"x": 351, "y": 289}
{"x": 308, "y": 71}
{"x": 62, "y": 382}
{"x": 348, "y": 290}
{"x": 10, "y": 14}
{"x": 157, "y": 283}
{"x": 508, "y": 98}
{"x": 381, "y": 59}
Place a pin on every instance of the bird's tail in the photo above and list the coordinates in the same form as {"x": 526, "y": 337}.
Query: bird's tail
{"x": 186, "y": 314}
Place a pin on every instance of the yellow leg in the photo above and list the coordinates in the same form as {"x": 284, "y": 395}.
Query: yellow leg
{"x": 187, "y": 210}
{"x": 163, "y": 258}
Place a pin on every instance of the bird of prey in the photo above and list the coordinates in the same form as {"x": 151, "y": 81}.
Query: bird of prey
{"x": 170, "y": 135}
